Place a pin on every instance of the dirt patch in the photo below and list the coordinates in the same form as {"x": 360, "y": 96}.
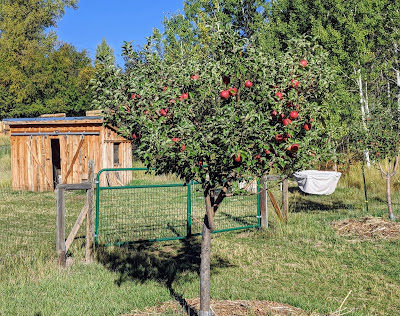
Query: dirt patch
{"x": 226, "y": 308}
{"x": 368, "y": 228}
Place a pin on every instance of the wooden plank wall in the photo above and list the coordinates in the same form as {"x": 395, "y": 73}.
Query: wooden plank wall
{"x": 31, "y": 156}
{"x": 31, "y": 168}
{"x": 109, "y": 138}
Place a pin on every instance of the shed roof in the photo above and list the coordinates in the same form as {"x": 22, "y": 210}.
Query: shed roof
{"x": 53, "y": 120}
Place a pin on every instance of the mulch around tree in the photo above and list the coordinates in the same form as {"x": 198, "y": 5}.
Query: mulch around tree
{"x": 226, "y": 308}
{"x": 368, "y": 228}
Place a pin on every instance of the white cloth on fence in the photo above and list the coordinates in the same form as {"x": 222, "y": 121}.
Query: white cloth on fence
{"x": 317, "y": 182}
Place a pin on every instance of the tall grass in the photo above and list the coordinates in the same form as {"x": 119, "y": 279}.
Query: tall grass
{"x": 304, "y": 263}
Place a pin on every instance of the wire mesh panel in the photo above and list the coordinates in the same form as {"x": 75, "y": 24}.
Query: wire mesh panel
{"x": 142, "y": 213}
{"x": 163, "y": 211}
{"x": 237, "y": 211}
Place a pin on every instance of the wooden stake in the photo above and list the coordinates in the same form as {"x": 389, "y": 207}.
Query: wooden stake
{"x": 61, "y": 249}
{"x": 89, "y": 255}
{"x": 263, "y": 202}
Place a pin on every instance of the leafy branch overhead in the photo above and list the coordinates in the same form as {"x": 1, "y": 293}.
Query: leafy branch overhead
{"x": 234, "y": 108}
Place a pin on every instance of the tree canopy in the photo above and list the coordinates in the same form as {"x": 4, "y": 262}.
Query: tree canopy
{"x": 38, "y": 74}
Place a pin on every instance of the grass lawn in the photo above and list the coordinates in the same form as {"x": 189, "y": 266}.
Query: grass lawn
{"x": 305, "y": 262}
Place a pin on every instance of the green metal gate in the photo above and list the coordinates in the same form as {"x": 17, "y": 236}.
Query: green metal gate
{"x": 132, "y": 213}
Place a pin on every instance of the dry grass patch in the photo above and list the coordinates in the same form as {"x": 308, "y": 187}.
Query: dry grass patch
{"x": 368, "y": 227}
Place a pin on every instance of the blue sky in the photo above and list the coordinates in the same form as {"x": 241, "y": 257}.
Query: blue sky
{"x": 116, "y": 21}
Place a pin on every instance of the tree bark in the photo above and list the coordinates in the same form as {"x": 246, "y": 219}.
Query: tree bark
{"x": 364, "y": 110}
{"x": 205, "y": 281}
{"x": 388, "y": 176}
{"x": 212, "y": 204}
{"x": 389, "y": 198}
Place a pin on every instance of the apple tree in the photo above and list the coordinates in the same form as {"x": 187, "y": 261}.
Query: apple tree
{"x": 225, "y": 113}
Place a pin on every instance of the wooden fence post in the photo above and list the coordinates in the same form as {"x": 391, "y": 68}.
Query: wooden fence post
{"x": 61, "y": 250}
{"x": 89, "y": 255}
{"x": 285, "y": 199}
{"x": 263, "y": 202}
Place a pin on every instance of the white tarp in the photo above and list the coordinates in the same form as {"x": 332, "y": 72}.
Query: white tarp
{"x": 317, "y": 182}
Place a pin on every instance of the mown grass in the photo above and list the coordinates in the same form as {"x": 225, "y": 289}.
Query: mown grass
{"x": 304, "y": 263}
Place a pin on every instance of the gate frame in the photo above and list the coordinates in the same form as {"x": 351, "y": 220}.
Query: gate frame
{"x": 189, "y": 215}
{"x": 62, "y": 244}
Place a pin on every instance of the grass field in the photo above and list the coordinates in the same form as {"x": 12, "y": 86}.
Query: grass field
{"x": 305, "y": 263}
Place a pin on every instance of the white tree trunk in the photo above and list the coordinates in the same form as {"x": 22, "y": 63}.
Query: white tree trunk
{"x": 364, "y": 110}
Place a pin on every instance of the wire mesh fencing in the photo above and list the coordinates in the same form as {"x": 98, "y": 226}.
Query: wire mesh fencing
{"x": 28, "y": 225}
{"x": 163, "y": 211}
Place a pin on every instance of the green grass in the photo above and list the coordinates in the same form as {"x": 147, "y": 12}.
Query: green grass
{"x": 304, "y": 263}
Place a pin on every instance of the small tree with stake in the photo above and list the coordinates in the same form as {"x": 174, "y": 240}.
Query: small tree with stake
{"x": 381, "y": 138}
{"x": 220, "y": 112}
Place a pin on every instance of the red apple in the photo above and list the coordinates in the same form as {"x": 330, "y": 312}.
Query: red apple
{"x": 165, "y": 88}
{"x": 286, "y": 122}
{"x": 175, "y": 139}
{"x": 279, "y": 95}
{"x": 163, "y": 112}
{"x": 303, "y": 63}
{"x": 295, "y": 83}
{"x": 248, "y": 84}
{"x": 279, "y": 138}
{"x": 274, "y": 114}
{"x": 134, "y": 136}
{"x": 237, "y": 158}
{"x": 307, "y": 126}
{"x": 183, "y": 147}
{"x": 133, "y": 96}
{"x": 226, "y": 80}
{"x": 195, "y": 77}
{"x": 232, "y": 91}
{"x": 293, "y": 115}
{"x": 267, "y": 151}
{"x": 294, "y": 147}
{"x": 185, "y": 96}
{"x": 258, "y": 157}
{"x": 225, "y": 94}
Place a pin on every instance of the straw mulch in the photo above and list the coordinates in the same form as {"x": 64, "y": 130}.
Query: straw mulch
{"x": 225, "y": 308}
{"x": 368, "y": 228}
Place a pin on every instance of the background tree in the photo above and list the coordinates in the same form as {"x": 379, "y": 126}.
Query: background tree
{"x": 362, "y": 39}
{"x": 37, "y": 74}
{"x": 104, "y": 54}
{"x": 228, "y": 112}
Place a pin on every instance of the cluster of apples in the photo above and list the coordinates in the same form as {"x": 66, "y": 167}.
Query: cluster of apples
{"x": 284, "y": 119}
{"x": 230, "y": 92}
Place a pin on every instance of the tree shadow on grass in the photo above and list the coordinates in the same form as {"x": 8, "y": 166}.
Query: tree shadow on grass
{"x": 305, "y": 202}
{"x": 307, "y": 205}
{"x": 163, "y": 262}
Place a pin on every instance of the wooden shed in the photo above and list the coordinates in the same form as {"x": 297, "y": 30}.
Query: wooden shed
{"x": 47, "y": 150}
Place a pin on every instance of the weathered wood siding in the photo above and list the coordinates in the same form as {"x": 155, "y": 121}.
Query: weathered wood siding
{"x": 116, "y": 178}
{"x": 31, "y": 156}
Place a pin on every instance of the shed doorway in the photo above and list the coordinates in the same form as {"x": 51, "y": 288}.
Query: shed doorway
{"x": 56, "y": 160}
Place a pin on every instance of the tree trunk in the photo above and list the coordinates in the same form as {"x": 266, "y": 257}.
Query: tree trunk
{"x": 212, "y": 204}
{"x": 364, "y": 110}
{"x": 205, "y": 284}
{"x": 388, "y": 176}
{"x": 389, "y": 198}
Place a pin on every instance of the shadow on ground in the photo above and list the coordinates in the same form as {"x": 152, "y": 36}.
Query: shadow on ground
{"x": 160, "y": 262}
{"x": 304, "y": 202}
